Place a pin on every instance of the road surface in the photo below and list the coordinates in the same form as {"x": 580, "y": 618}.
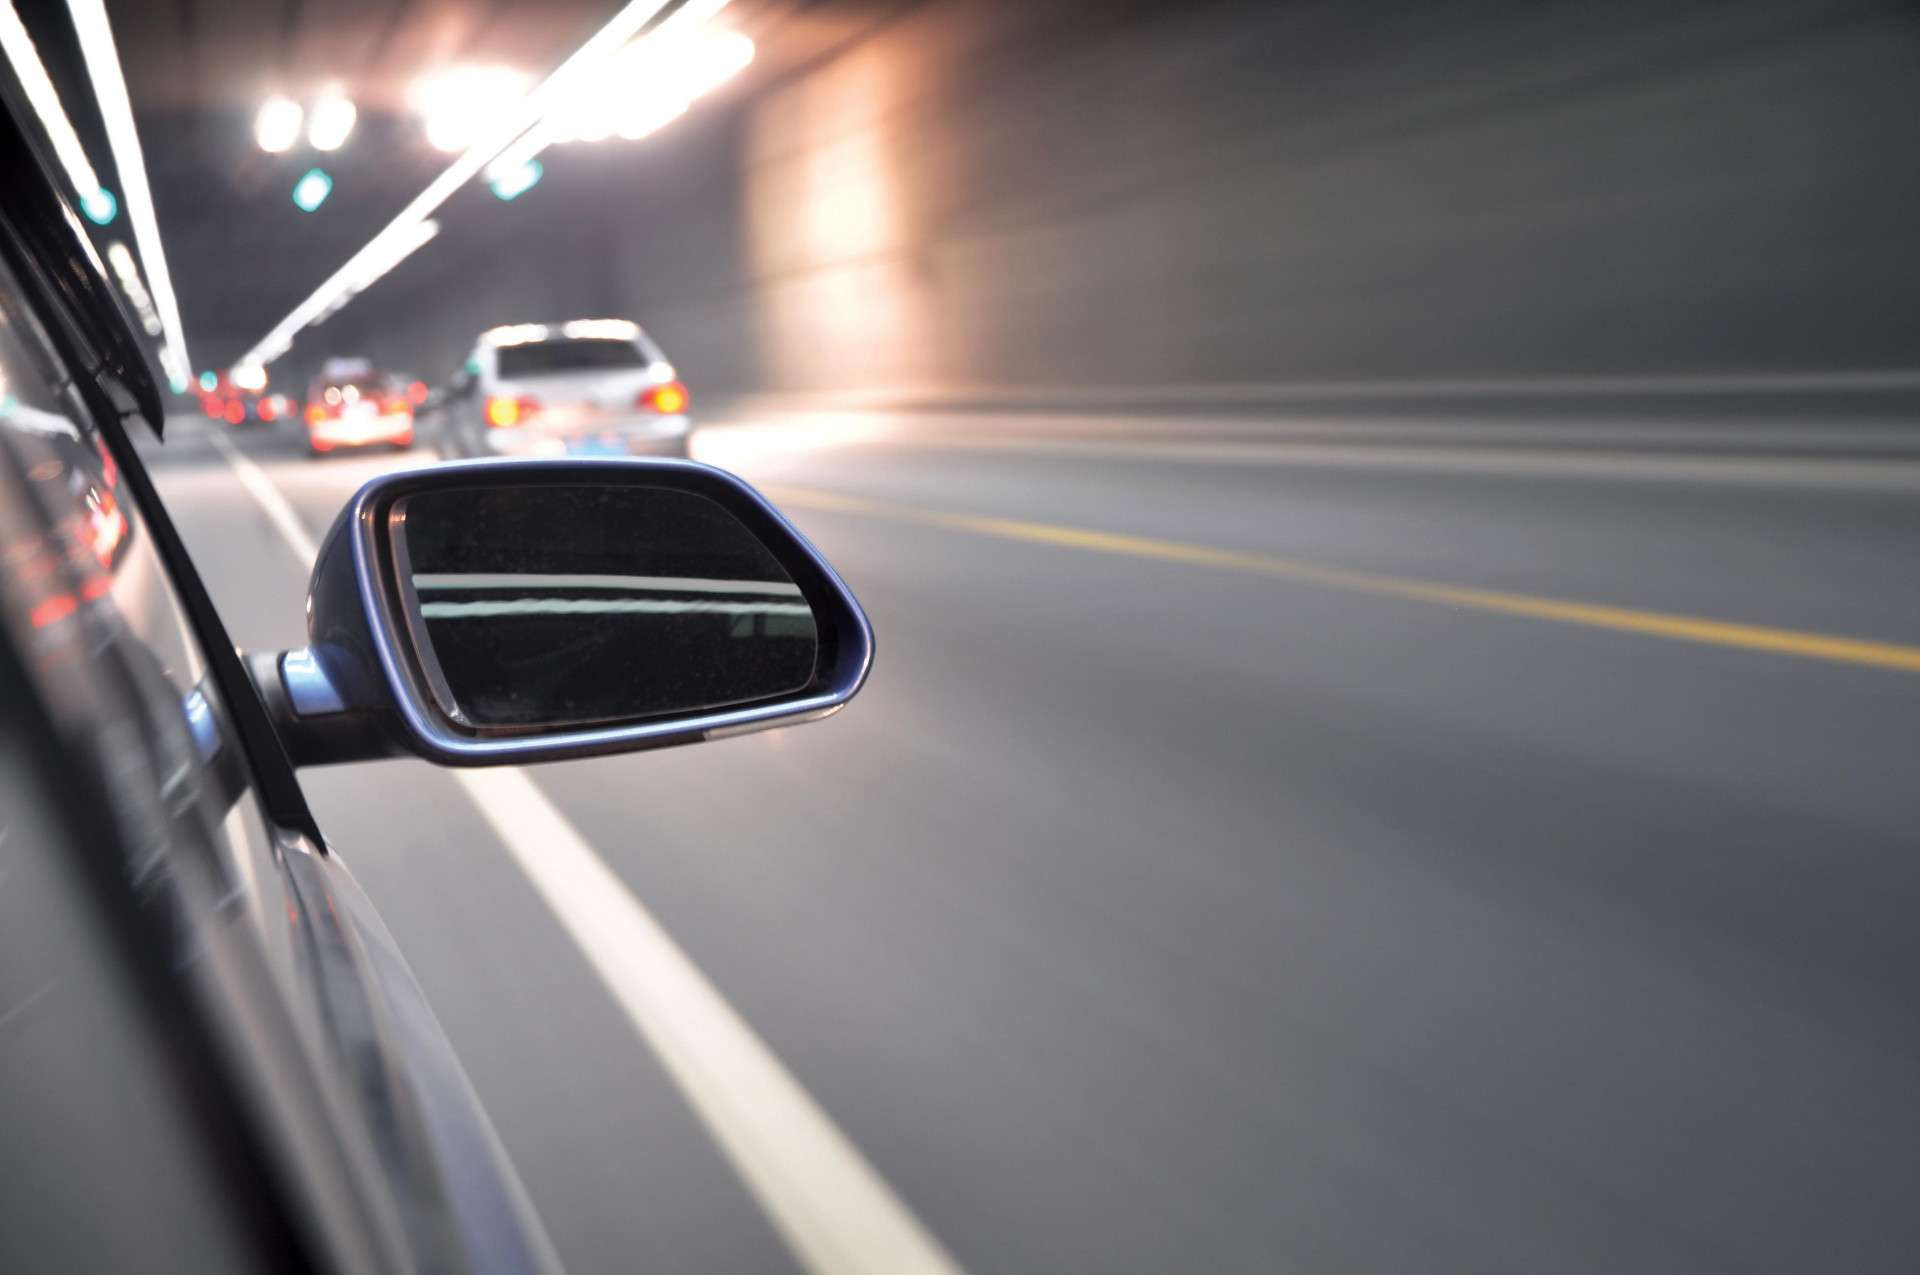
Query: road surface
{"x": 1251, "y": 857}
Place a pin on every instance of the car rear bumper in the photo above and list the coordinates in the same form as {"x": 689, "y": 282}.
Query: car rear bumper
{"x": 371, "y": 431}
{"x": 625, "y": 436}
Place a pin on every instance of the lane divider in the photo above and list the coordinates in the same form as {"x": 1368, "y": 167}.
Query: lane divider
{"x": 1682, "y": 628}
{"x": 278, "y": 509}
{"x": 834, "y": 1211}
{"x": 831, "y": 1207}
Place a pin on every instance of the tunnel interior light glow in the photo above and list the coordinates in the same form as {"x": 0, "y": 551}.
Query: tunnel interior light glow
{"x": 642, "y": 88}
{"x": 250, "y": 376}
{"x": 461, "y": 103}
{"x": 312, "y": 189}
{"x": 526, "y": 112}
{"x": 120, "y": 257}
{"x": 277, "y": 125}
{"x": 100, "y": 206}
{"x": 370, "y": 269}
{"x": 332, "y": 121}
{"x": 512, "y": 185}
{"x": 116, "y": 112}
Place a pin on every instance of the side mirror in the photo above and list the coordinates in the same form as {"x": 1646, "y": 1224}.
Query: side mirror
{"x": 494, "y": 612}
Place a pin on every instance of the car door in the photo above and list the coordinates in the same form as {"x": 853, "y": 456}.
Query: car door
{"x": 292, "y": 1103}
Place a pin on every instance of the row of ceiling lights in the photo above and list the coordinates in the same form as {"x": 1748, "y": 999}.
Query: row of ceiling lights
{"x": 328, "y": 125}
{"x": 634, "y": 93}
{"x": 679, "y": 60}
{"x": 157, "y": 305}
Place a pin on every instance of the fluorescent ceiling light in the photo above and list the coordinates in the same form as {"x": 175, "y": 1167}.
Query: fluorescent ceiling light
{"x": 32, "y": 75}
{"x": 116, "y": 111}
{"x": 527, "y": 112}
{"x": 463, "y": 102}
{"x": 121, "y": 258}
{"x": 312, "y": 189}
{"x": 332, "y": 121}
{"x": 277, "y": 127}
{"x": 641, "y": 88}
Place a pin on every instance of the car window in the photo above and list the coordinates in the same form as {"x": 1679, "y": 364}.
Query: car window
{"x": 539, "y": 358}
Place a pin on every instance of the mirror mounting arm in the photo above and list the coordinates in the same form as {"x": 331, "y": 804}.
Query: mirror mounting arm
{"x": 318, "y": 722}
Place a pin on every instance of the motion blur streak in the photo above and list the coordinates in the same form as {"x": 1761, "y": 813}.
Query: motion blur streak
{"x": 116, "y": 112}
{"x": 46, "y": 102}
{"x": 1888, "y": 655}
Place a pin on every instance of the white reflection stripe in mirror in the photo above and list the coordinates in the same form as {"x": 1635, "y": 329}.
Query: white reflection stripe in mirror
{"x": 607, "y": 606}
{"x": 638, "y": 584}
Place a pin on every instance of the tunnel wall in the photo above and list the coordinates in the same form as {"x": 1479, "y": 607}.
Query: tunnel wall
{"x": 986, "y": 196}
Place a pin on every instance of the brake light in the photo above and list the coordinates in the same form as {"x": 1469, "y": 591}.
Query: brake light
{"x": 235, "y": 413}
{"x": 505, "y": 410}
{"x": 267, "y": 410}
{"x": 316, "y": 412}
{"x": 670, "y": 399}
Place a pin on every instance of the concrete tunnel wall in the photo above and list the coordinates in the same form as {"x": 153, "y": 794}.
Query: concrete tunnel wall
{"x": 989, "y": 196}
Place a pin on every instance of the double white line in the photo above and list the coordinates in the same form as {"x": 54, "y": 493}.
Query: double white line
{"x": 827, "y": 1202}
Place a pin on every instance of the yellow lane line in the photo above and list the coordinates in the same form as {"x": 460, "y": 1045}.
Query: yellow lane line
{"x": 1683, "y": 628}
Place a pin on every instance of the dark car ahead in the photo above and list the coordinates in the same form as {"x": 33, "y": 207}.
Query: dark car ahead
{"x": 211, "y": 1055}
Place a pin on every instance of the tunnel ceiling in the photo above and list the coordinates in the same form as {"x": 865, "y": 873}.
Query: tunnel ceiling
{"x": 241, "y": 254}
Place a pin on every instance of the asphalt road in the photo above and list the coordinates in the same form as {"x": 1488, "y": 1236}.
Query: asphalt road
{"x": 1155, "y": 911}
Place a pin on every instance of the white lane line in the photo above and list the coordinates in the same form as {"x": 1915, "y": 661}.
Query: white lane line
{"x": 271, "y": 502}
{"x": 832, "y": 1208}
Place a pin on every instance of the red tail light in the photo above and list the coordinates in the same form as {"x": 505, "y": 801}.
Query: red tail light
{"x": 235, "y": 413}
{"x": 670, "y": 399}
{"x": 506, "y": 410}
{"x": 267, "y": 409}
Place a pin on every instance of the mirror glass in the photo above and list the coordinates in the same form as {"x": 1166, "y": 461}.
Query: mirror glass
{"x": 541, "y": 606}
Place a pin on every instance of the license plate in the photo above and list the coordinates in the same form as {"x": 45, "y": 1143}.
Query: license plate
{"x": 602, "y": 446}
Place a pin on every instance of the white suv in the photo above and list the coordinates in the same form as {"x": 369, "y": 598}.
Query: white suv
{"x": 584, "y": 387}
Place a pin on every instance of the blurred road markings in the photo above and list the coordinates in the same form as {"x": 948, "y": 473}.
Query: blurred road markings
{"x": 832, "y": 1208}
{"x": 1751, "y": 637}
{"x": 828, "y": 1203}
{"x": 276, "y": 507}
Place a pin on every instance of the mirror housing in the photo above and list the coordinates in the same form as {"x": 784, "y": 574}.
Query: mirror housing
{"x": 368, "y": 684}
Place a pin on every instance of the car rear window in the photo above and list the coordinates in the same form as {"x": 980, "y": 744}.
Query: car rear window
{"x": 542, "y": 357}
